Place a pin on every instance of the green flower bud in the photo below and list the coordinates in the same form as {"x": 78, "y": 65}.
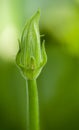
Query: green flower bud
{"x": 31, "y": 56}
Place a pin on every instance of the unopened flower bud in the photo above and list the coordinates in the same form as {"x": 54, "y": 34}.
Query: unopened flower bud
{"x": 31, "y": 56}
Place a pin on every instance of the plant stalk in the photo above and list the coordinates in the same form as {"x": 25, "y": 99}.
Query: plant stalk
{"x": 33, "y": 105}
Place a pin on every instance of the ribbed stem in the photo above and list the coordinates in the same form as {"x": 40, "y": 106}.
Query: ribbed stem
{"x": 33, "y": 105}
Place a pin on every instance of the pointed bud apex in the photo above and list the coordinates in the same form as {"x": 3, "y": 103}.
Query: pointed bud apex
{"x": 31, "y": 57}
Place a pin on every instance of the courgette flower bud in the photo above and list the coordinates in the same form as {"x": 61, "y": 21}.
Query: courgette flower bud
{"x": 31, "y": 56}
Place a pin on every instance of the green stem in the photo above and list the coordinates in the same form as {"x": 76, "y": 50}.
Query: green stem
{"x": 33, "y": 105}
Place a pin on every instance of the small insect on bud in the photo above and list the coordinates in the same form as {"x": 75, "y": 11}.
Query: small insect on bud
{"x": 31, "y": 56}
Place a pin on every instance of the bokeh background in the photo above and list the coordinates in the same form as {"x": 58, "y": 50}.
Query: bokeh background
{"x": 58, "y": 85}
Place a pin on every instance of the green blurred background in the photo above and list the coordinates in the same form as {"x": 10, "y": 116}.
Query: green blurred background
{"x": 58, "y": 85}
